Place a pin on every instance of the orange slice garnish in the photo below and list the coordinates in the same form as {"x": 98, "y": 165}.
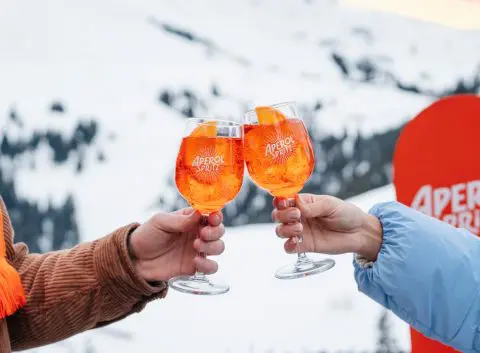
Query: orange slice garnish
{"x": 207, "y": 129}
{"x": 269, "y": 116}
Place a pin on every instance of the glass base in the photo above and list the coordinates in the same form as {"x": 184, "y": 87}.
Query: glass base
{"x": 198, "y": 285}
{"x": 304, "y": 268}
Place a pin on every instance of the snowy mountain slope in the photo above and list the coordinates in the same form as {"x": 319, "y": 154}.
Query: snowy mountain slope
{"x": 112, "y": 59}
{"x": 138, "y": 68}
{"x": 322, "y": 312}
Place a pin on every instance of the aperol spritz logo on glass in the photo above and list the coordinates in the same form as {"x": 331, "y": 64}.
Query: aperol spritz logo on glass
{"x": 208, "y": 164}
{"x": 279, "y": 148}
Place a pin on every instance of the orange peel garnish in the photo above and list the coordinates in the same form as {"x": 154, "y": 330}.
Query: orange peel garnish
{"x": 207, "y": 129}
{"x": 269, "y": 116}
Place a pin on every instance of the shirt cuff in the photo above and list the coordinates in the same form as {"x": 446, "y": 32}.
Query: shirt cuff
{"x": 362, "y": 261}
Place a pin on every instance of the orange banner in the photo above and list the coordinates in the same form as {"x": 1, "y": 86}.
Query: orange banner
{"x": 437, "y": 171}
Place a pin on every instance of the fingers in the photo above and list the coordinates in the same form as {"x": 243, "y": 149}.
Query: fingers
{"x": 289, "y": 230}
{"x": 184, "y": 220}
{"x": 209, "y": 248}
{"x": 185, "y": 211}
{"x": 307, "y": 205}
{"x": 288, "y": 215}
{"x": 210, "y": 233}
{"x": 209, "y": 243}
{"x": 282, "y": 203}
{"x": 176, "y": 222}
{"x": 215, "y": 219}
{"x": 291, "y": 246}
{"x": 311, "y": 205}
{"x": 206, "y": 266}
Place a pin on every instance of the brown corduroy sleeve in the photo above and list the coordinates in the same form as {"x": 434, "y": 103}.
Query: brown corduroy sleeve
{"x": 91, "y": 285}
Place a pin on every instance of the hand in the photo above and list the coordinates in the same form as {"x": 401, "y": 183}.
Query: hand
{"x": 328, "y": 225}
{"x": 167, "y": 245}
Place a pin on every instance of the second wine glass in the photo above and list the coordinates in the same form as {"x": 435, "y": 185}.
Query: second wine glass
{"x": 280, "y": 159}
{"x": 209, "y": 174}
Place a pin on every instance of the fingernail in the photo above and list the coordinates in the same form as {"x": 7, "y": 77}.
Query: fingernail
{"x": 216, "y": 218}
{"x": 283, "y": 203}
{"x": 294, "y": 240}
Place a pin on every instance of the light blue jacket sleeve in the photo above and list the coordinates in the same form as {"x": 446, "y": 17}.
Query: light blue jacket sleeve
{"x": 427, "y": 273}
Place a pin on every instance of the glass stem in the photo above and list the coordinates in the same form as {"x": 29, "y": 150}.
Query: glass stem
{"x": 301, "y": 255}
{"x": 200, "y": 276}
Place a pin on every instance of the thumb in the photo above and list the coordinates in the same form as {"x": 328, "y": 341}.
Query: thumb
{"x": 311, "y": 205}
{"x": 176, "y": 222}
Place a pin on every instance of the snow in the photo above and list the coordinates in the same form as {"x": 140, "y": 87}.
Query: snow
{"x": 109, "y": 61}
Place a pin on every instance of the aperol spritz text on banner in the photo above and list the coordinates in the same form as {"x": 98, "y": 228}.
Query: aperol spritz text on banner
{"x": 437, "y": 171}
{"x": 457, "y": 204}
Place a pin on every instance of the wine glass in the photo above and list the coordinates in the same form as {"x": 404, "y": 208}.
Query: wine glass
{"x": 279, "y": 158}
{"x": 208, "y": 174}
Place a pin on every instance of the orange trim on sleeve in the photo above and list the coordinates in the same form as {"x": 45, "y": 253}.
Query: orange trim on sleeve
{"x": 12, "y": 295}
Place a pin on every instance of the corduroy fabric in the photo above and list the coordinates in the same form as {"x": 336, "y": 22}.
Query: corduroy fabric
{"x": 70, "y": 291}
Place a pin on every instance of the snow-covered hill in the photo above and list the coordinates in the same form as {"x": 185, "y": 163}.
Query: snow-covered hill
{"x": 112, "y": 59}
{"x": 93, "y": 97}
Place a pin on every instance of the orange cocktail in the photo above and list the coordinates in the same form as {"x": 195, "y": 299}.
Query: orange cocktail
{"x": 279, "y": 158}
{"x": 209, "y": 171}
{"x": 209, "y": 174}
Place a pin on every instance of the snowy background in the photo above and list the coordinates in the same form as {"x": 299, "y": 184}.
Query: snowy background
{"x": 93, "y": 101}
